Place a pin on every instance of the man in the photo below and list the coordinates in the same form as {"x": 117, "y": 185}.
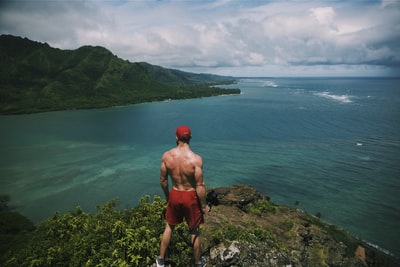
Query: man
{"x": 187, "y": 198}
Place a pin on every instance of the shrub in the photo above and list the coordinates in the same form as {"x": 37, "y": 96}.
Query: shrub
{"x": 108, "y": 238}
{"x": 260, "y": 207}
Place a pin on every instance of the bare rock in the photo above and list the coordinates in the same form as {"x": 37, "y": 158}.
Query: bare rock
{"x": 238, "y": 195}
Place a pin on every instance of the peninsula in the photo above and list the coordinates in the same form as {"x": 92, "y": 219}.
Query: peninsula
{"x": 38, "y": 78}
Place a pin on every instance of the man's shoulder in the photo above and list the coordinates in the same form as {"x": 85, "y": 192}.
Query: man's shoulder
{"x": 197, "y": 158}
{"x": 170, "y": 152}
{"x": 196, "y": 155}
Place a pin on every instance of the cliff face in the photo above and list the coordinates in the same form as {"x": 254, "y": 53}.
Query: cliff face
{"x": 282, "y": 236}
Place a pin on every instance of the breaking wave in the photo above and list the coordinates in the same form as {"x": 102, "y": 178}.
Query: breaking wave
{"x": 269, "y": 84}
{"x": 340, "y": 98}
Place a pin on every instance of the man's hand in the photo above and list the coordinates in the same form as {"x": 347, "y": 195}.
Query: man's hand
{"x": 206, "y": 209}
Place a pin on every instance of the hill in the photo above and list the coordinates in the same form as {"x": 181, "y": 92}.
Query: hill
{"x": 244, "y": 228}
{"x": 36, "y": 77}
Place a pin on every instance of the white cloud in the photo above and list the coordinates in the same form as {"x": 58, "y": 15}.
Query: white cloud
{"x": 217, "y": 36}
{"x": 324, "y": 15}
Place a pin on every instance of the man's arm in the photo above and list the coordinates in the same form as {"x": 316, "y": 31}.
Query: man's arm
{"x": 164, "y": 179}
{"x": 200, "y": 186}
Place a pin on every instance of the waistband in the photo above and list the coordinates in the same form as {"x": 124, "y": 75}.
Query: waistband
{"x": 183, "y": 192}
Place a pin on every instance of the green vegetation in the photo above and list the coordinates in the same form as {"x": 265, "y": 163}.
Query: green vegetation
{"x": 109, "y": 238}
{"x": 260, "y": 207}
{"x": 36, "y": 77}
{"x": 13, "y": 226}
{"x": 113, "y": 238}
{"x": 287, "y": 225}
{"x": 338, "y": 234}
{"x": 131, "y": 237}
{"x": 250, "y": 232}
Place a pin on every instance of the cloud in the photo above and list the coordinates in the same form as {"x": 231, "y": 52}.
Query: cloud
{"x": 252, "y": 37}
{"x": 324, "y": 15}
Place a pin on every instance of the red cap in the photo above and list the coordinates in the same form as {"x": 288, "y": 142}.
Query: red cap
{"x": 183, "y": 132}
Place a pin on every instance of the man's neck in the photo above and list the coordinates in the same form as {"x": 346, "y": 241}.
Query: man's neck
{"x": 182, "y": 144}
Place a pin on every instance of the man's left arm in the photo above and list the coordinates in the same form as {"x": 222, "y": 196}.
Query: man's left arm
{"x": 200, "y": 186}
{"x": 164, "y": 179}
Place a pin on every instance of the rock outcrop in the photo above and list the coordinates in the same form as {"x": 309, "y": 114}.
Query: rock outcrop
{"x": 294, "y": 237}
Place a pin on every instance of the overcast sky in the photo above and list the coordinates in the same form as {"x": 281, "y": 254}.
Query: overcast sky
{"x": 228, "y": 37}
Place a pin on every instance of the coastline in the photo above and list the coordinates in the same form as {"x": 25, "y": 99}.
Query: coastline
{"x": 27, "y": 111}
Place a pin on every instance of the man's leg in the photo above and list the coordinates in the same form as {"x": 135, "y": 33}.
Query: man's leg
{"x": 165, "y": 240}
{"x": 196, "y": 241}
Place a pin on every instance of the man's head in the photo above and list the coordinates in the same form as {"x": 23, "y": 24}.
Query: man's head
{"x": 183, "y": 133}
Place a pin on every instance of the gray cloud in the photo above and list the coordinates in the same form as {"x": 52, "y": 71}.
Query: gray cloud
{"x": 224, "y": 37}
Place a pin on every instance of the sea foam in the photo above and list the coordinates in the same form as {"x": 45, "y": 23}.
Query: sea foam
{"x": 339, "y": 98}
{"x": 269, "y": 84}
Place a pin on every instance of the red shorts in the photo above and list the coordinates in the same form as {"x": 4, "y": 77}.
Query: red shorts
{"x": 184, "y": 204}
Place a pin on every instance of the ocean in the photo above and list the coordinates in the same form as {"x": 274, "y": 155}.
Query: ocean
{"x": 324, "y": 145}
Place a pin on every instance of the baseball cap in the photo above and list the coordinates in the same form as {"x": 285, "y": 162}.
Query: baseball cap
{"x": 183, "y": 132}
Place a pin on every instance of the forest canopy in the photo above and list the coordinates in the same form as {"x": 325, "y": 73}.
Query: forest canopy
{"x": 36, "y": 77}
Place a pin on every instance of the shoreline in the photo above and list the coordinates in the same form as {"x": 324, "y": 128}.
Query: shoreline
{"x": 35, "y": 111}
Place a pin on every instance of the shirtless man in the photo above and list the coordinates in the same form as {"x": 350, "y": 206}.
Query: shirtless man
{"x": 187, "y": 198}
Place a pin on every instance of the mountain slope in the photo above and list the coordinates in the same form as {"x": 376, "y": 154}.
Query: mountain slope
{"x": 36, "y": 77}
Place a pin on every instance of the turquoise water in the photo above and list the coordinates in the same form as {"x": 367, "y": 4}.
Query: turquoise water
{"x": 332, "y": 145}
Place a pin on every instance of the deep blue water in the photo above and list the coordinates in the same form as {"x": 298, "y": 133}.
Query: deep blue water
{"x": 332, "y": 145}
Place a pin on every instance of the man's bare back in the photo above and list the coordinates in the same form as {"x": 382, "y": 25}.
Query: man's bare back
{"x": 185, "y": 169}
{"x": 183, "y": 166}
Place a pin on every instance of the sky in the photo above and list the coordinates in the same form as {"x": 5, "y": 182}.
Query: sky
{"x": 275, "y": 38}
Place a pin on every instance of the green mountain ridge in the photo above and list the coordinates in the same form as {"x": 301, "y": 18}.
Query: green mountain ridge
{"x": 36, "y": 78}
